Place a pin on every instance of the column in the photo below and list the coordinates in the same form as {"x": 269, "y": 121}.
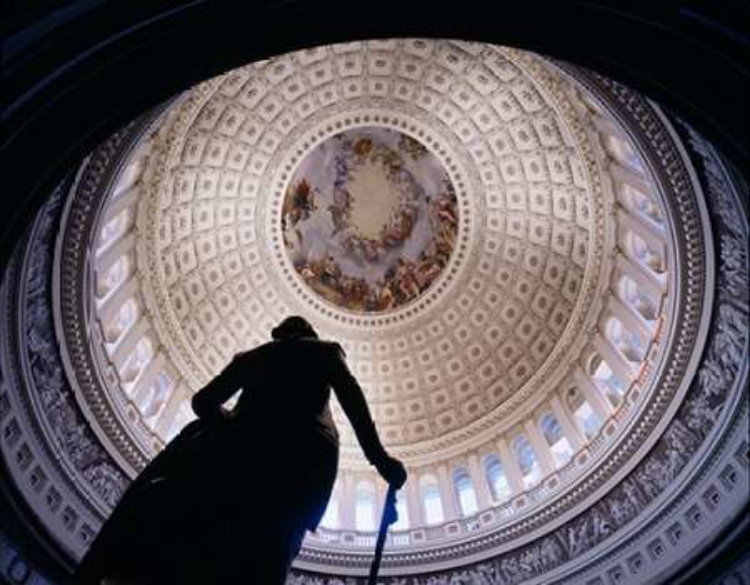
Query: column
{"x": 113, "y": 252}
{"x": 645, "y": 280}
{"x": 447, "y": 493}
{"x": 600, "y": 405}
{"x": 123, "y": 196}
{"x": 615, "y": 360}
{"x": 167, "y": 415}
{"x": 632, "y": 320}
{"x": 569, "y": 428}
{"x": 146, "y": 380}
{"x": 638, "y": 225}
{"x": 131, "y": 174}
{"x": 481, "y": 489}
{"x": 109, "y": 309}
{"x": 381, "y": 487}
{"x": 127, "y": 343}
{"x": 414, "y": 502}
{"x": 512, "y": 470}
{"x": 540, "y": 446}
{"x": 347, "y": 502}
{"x": 607, "y": 126}
{"x": 631, "y": 177}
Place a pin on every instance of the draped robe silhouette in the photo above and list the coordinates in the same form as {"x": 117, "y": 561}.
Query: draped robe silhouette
{"x": 229, "y": 500}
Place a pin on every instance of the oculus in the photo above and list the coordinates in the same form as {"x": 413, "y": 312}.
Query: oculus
{"x": 369, "y": 219}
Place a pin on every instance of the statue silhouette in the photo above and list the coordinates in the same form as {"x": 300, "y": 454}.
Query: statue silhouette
{"x": 230, "y": 498}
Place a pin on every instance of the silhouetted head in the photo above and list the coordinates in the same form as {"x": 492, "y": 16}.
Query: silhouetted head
{"x": 292, "y": 327}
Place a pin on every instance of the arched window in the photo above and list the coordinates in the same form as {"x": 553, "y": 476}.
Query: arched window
{"x": 467, "y": 498}
{"x": 558, "y": 443}
{"x": 403, "y": 511}
{"x": 156, "y": 396}
{"x": 497, "y": 478}
{"x": 629, "y": 345}
{"x": 642, "y": 204}
{"x": 128, "y": 177}
{"x": 644, "y": 254}
{"x": 431, "y": 500}
{"x": 114, "y": 228}
{"x": 138, "y": 359}
{"x": 583, "y": 414}
{"x": 364, "y": 506}
{"x": 331, "y": 516}
{"x": 109, "y": 279}
{"x": 524, "y": 453}
{"x": 623, "y": 153}
{"x": 630, "y": 294}
{"x": 123, "y": 319}
{"x": 588, "y": 419}
{"x": 609, "y": 383}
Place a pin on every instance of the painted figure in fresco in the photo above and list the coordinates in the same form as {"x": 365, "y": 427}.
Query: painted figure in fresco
{"x": 446, "y": 210}
{"x": 230, "y": 499}
{"x": 339, "y": 209}
{"x": 381, "y": 268}
{"x": 407, "y": 281}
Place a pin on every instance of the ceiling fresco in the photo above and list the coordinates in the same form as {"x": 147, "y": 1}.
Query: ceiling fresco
{"x": 370, "y": 219}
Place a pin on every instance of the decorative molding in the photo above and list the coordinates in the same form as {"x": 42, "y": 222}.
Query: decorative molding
{"x": 692, "y": 482}
{"x": 664, "y": 444}
{"x": 55, "y": 458}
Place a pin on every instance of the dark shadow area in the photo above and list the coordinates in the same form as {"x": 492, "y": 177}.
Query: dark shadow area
{"x": 230, "y": 498}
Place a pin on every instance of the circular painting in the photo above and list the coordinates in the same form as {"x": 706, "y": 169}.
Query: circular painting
{"x": 370, "y": 219}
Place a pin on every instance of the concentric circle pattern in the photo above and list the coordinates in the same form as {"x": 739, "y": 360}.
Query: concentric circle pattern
{"x": 489, "y": 235}
{"x": 370, "y": 219}
{"x": 512, "y": 243}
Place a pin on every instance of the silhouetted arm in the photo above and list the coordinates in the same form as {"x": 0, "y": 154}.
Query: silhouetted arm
{"x": 207, "y": 402}
{"x": 352, "y": 400}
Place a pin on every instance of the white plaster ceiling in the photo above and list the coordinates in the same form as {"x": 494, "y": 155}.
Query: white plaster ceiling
{"x": 509, "y": 313}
